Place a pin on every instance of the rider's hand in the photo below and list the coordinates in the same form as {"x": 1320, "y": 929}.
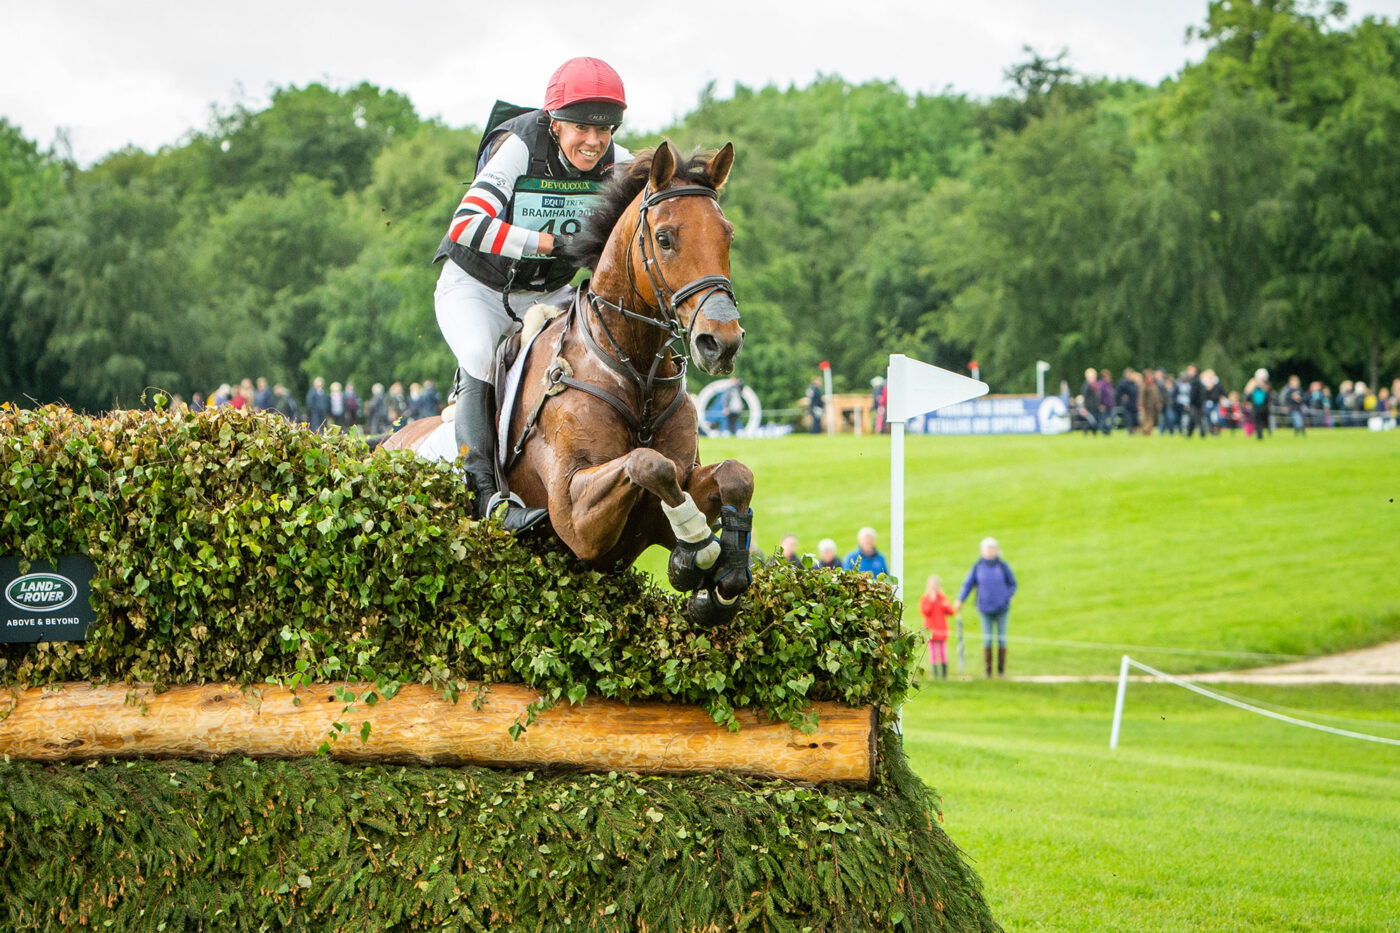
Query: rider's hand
{"x": 546, "y": 244}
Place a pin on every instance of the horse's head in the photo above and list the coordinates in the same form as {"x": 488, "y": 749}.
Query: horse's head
{"x": 682, "y": 241}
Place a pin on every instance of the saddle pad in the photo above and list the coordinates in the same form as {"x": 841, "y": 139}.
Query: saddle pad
{"x": 508, "y": 385}
{"x": 441, "y": 444}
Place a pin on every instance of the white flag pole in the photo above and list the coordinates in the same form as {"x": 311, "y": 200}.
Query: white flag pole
{"x": 913, "y": 389}
{"x": 897, "y": 507}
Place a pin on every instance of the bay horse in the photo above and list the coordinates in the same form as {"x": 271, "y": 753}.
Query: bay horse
{"x": 603, "y": 433}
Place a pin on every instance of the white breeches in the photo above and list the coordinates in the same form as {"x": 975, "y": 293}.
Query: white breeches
{"x": 473, "y": 320}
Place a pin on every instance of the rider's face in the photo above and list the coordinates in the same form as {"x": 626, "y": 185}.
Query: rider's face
{"x": 583, "y": 144}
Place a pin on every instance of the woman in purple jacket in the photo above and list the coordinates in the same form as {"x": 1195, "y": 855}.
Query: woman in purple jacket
{"x": 995, "y": 584}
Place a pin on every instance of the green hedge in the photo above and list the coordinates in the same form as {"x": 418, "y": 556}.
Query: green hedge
{"x": 245, "y": 845}
{"x": 237, "y": 547}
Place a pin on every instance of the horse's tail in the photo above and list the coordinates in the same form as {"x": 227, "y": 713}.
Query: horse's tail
{"x": 377, "y": 439}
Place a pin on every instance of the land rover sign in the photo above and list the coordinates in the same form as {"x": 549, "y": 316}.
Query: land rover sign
{"x": 48, "y": 602}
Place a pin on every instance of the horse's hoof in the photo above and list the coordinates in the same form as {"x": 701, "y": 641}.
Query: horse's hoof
{"x": 691, "y": 564}
{"x": 708, "y": 608}
{"x": 732, "y": 575}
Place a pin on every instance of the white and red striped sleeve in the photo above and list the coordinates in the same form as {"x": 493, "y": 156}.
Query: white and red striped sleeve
{"x": 475, "y": 224}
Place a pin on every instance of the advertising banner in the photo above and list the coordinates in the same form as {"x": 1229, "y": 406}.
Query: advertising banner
{"x": 48, "y": 602}
{"x": 997, "y": 414}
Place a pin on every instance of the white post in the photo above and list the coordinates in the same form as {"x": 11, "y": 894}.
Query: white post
{"x": 914, "y": 389}
{"x": 897, "y": 507}
{"x": 1118, "y": 703}
{"x": 1041, "y": 368}
{"x": 827, "y": 412}
{"x": 962, "y": 653}
{"x": 896, "y": 523}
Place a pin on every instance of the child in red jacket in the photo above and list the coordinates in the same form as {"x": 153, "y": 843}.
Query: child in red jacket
{"x": 936, "y": 608}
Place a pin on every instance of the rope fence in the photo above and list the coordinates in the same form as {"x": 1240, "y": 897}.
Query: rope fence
{"x": 1219, "y": 698}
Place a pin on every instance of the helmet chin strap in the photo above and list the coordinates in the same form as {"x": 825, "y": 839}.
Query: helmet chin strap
{"x": 564, "y": 160}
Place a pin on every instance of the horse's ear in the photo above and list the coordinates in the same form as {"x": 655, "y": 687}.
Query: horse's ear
{"x": 717, "y": 169}
{"x": 663, "y": 165}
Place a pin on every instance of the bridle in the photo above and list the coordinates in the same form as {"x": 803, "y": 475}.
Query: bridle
{"x": 560, "y": 376}
{"x": 706, "y": 285}
{"x": 669, "y": 300}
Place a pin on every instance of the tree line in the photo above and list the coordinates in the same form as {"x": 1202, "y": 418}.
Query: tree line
{"x": 1244, "y": 213}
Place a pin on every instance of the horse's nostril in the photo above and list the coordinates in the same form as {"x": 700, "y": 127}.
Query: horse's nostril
{"x": 707, "y": 345}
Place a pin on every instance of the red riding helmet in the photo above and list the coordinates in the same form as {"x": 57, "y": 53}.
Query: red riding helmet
{"x": 586, "y": 90}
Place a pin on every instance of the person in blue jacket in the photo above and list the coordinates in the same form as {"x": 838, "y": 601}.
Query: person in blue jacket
{"x": 995, "y": 584}
{"x": 865, "y": 558}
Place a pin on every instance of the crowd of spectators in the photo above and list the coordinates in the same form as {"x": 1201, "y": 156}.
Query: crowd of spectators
{"x": 1195, "y": 402}
{"x": 866, "y": 558}
{"x": 990, "y": 577}
{"x": 339, "y": 404}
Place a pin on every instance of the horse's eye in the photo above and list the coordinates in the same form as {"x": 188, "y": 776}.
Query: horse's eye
{"x": 663, "y": 240}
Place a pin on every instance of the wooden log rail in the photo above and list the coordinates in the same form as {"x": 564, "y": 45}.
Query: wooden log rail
{"x": 82, "y": 721}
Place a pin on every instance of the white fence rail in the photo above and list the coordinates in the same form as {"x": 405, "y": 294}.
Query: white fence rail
{"x": 1230, "y": 701}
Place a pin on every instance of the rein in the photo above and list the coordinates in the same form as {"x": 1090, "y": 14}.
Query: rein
{"x": 560, "y": 376}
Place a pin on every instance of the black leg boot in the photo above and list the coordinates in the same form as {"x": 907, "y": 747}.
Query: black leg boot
{"x": 1001, "y": 660}
{"x": 987, "y": 661}
{"x": 475, "y": 425}
{"x": 717, "y": 603}
{"x": 732, "y": 574}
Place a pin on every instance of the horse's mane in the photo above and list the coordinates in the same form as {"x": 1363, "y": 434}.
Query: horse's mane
{"x": 628, "y": 179}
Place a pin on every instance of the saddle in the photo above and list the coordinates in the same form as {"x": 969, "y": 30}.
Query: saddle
{"x": 511, "y": 354}
{"x": 510, "y": 363}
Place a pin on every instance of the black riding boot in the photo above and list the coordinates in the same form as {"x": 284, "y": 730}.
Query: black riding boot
{"x": 1001, "y": 660}
{"x": 987, "y": 662}
{"x": 474, "y": 422}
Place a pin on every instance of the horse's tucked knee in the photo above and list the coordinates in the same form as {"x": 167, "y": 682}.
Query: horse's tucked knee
{"x": 735, "y": 482}
{"x": 655, "y": 473}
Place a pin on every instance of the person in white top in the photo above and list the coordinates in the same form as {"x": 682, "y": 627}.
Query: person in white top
{"x": 537, "y": 175}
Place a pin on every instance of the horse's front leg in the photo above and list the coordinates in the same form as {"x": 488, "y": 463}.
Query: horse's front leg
{"x": 600, "y": 499}
{"x": 723, "y": 492}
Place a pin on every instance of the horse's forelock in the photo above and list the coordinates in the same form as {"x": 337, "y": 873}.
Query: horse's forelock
{"x": 628, "y": 180}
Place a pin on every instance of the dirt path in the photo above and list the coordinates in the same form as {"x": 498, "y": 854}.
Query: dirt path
{"x": 1379, "y": 664}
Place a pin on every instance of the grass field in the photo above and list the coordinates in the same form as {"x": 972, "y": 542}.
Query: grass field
{"x": 1288, "y": 546}
{"x": 1206, "y": 817}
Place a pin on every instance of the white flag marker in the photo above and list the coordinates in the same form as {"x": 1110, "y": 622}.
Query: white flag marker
{"x": 915, "y": 388}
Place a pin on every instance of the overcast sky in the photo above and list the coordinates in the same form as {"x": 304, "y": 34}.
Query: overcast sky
{"x": 147, "y": 71}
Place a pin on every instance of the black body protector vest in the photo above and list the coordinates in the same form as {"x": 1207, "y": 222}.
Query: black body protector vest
{"x": 551, "y": 197}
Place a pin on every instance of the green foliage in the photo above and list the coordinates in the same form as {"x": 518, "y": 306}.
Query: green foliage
{"x": 237, "y": 547}
{"x": 1236, "y": 215}
{"x": 376, "y": 314}
{"x": 231, "y": 546}
{"x": 260, "y": 263}
{"x": 312, "y": 130}
{"x": 1345, "y": 231}
{"x": 245, "y": 845}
